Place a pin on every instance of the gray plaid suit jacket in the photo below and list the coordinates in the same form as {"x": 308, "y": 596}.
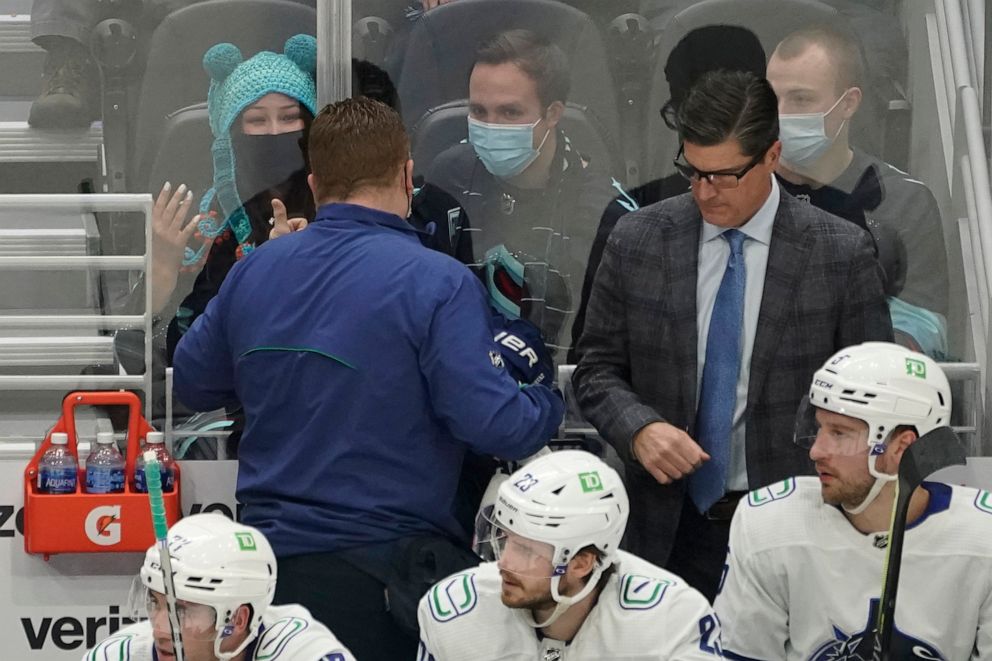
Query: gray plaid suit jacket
{"x": 637, "y": 354}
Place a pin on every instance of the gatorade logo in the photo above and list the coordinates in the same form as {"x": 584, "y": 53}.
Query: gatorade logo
{"x": 103, "y": 525}
{"x": 590, "y": 481}
{"x": 246, "y": 542}
{"x": 916, "y": 368}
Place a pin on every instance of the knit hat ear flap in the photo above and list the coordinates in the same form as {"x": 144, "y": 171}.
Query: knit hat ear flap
{"x": 221, "y": 60}
{"x": 301, "y": 50}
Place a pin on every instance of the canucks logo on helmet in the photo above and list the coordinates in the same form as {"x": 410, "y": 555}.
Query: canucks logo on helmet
{"x": 859, "y": 646}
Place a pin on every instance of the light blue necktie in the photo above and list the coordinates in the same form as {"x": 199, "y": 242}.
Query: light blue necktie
{"x": 718, "y": 394}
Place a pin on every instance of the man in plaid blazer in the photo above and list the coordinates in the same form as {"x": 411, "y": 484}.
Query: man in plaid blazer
{"x": 658, "y": 313}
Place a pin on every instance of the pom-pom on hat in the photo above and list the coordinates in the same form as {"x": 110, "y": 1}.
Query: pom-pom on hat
{"x": 235, "y": 84}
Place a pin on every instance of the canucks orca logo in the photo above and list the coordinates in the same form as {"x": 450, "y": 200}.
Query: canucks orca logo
{"x": 859, "y": 646}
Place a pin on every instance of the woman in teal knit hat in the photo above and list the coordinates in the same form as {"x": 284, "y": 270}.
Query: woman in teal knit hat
{"x": 260, "y": 110}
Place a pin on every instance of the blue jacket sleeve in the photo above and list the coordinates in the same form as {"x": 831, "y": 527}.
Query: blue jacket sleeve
{"x": 470, "y": 389}
{"x": 203, "y": 367}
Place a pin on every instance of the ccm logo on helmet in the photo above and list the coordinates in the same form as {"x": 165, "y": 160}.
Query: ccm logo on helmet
{"x": 518, "y": 346}
{"x": 823, "y": 384}
{"x": 103, "y": 525}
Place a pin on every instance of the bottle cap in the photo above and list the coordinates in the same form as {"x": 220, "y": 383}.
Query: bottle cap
{"x": 105, "y": 437}
{"x": 154, "y": 437}
{"x": 60, "y": 438}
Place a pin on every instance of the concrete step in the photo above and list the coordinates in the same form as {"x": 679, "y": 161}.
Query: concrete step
{"x": 44, "y": 161}
{"x": 21, "y": 62}
{"x": 19, "y": 143}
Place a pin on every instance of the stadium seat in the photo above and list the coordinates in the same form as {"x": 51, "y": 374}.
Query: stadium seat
{"x": 184, "y": 153}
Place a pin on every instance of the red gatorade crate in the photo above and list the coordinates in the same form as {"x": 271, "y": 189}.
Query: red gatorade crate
{"x": 89, "y": 522}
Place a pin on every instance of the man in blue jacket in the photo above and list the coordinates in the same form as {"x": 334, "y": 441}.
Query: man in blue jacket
{"x": 366, "y": 367}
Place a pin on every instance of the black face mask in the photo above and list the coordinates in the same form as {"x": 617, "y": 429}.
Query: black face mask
{"x": 262, "y": 162}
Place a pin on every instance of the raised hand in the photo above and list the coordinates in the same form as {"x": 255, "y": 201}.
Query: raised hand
{"x": 281, "y": 223}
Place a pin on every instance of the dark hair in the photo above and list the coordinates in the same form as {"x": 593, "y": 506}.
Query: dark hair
{"x": 706, "y": 49}
{"x": 841, "y": 46}
{"x": 542, "y": 61}
{"x": 369, "y": 80}
{"x": 725, "y": 105}
{"x": 354, "y": 144}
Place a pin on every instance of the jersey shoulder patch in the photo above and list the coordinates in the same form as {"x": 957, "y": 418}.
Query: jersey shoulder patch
{"x": 278, "y": 636}
{"x": 642, "y": 593}
{"x": 453, "y": 597}
{"x": 983, "y": 501}
{"x": 776, "y": 491}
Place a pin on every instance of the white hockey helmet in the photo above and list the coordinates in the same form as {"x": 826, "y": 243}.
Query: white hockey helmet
{"x": 886, "y": 386}
{"x": 219, "y": 563}
{"x": 566, "y": 500}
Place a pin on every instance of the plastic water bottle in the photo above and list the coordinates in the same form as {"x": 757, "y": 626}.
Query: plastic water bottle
{"x": 156, "y": 443}
{"x": 105, "y": 466}
{"x": 57, "y": 470}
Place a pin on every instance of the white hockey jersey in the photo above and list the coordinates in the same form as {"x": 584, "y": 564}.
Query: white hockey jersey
{"x": 288, "y": 633}
{"x": 643, "y": 613}
{"x": 802, "y": 583}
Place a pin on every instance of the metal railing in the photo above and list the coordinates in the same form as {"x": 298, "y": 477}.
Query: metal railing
{"x": 64, "y": 343}
{"x": 958, "y": 43}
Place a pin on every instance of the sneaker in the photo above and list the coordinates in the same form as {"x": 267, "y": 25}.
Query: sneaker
{"x": 71, "y": 87}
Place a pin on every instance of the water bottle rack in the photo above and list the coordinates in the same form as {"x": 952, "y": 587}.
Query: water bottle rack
{"x": 87, "y": 522}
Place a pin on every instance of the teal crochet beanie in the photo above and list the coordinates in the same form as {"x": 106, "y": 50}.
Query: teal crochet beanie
{"x": 235, "y": 84}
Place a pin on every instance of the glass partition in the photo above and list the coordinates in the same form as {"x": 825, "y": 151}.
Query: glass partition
{"x": 535, "y": 126}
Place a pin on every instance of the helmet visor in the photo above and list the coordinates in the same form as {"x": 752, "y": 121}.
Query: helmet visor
{"x": 514, "y": 553}
{"x": 197, "y": 621}
{"x": 833, "y": 433}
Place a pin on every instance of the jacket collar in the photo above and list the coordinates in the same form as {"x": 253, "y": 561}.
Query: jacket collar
{"x": 360, "y": 214}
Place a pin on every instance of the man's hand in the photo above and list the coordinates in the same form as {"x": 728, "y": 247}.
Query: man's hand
{"x": 281, "y": 223}
{"x": 668, "y": 453}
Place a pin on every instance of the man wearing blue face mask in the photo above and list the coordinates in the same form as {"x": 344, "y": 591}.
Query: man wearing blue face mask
{"x": 816, "y": 74}
{"x": 523, "y": 198}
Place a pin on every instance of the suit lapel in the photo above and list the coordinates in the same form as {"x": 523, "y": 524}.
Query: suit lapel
{"x": 787, "y": 257}
{"x": 681, "y": 254}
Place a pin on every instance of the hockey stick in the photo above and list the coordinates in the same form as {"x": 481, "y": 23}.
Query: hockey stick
{"x": 153, "y": 478}
{"x": 933, "y": 451}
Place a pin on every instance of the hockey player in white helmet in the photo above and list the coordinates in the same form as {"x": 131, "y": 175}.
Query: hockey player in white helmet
{"x": 225, "y": 577}
{"x": 559, "y": 587}
{"x": 804, "y": 569}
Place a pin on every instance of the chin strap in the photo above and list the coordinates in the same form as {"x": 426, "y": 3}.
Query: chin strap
{"x": 881, "y": 479}
{"x": 564, "y": 602}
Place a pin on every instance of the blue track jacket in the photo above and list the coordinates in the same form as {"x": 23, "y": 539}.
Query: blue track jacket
{"x": 366, "y": 365}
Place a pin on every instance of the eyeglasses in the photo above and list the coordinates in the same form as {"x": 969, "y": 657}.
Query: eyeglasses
{"x": 721, "y": 180}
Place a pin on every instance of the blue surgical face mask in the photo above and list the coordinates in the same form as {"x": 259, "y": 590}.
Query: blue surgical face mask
{"x": 804, "y": 136}
{"x": 505, "y": 149}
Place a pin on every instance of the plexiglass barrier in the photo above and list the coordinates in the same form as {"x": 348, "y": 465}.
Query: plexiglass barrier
{"x": 898, "y": 96}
